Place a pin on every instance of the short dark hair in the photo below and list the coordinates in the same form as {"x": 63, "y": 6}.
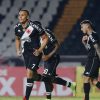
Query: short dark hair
{"x": 87, "y": 22}
{"x": 25, "y": 11}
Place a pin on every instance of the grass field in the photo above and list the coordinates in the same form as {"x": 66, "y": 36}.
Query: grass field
{"x": 42, "y": 98}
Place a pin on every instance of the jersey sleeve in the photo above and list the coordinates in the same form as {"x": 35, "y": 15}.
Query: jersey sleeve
{"x": 39, "y": 28}
{"x": 16, "y": 30}
{"x": 53, "y": 39}
{"x": 51, "y": 36}
{"x": 94, "y": 38}
{"x": 41, "y": 31}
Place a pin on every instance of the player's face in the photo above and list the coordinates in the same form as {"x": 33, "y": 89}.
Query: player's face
{"x": 84, "y": 28}
{"x": 23, "y": 17}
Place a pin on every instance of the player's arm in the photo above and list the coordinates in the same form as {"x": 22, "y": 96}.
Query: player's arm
{"x": 97, "y": 48}
{"x": 45, "y": 39}
{"x": 84, "y": 41}
{"x": 43, "y": 36}
{"x": 44, "y": 42}
{"x": 54, "y": 50}
{"x": 18, "y": 44}
{"x": 46, "y": 57}
{"x": 94, "y": 40}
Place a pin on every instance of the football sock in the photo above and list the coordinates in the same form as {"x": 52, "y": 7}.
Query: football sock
{"x": 98, "y": 85}
{"x": 49, "y": 89}
{"x": 48, "y": 86}
{"x": 48, "y": 95}
{"x": 59, "y": 81}
{"x": 68, "y": 84}
{"x": 29, "y": 87}
{"x": 86, "y": 90}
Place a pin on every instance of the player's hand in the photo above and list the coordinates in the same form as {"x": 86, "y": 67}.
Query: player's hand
{"x": 36, "y": 52}
{"x": 19, "y": 53}
{"x": 45, "y": 57}
{"x": 84, "y": 39}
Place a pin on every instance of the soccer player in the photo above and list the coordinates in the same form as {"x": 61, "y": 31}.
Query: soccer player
{"x": 51, "y": 59}
{"x": 28, "y": 35}
{"x": 91, "y": 42}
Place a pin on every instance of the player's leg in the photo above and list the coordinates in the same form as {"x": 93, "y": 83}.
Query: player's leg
{"x": 49, "y": 89}
{"x": 47, "y": 73}
{"x": 86, "y": 80}
{"x": 96, "y": 83}
{"x": 95, "y": 73}
{"x": 61, "y": 81}
{"x": 31, "y": 66}
{"x": 86, "y": 87}
{"x": 91, "y": 72}
{"x": 29, "y": 84}
{"x": 29, "y": 75}
{"x": 50, "y": 70}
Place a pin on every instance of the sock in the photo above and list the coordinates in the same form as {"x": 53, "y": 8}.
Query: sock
{"x": 43, "y": 78}
{"x": 49, "y": 89}
{"x": 48, "y": 95}
{"x": 59, "y": 81}
{"x": 86, "y": 90}
{"x": 98, "y": 85}
{"x": 68, "y": 84}
{"x": 29, "y": 87}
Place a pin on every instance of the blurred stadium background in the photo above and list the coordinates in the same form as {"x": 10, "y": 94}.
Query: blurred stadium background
{"x": 63, "y": 18}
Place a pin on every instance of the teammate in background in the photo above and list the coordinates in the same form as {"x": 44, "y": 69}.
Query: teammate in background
{"x": 51, "y": 59}
{"x": 28, "y": 35}
{"x": 91, "y": 42}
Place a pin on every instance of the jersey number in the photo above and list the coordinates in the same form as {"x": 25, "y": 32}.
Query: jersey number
{"x": 45, "y": 71}
{"x": 33, "y": 66}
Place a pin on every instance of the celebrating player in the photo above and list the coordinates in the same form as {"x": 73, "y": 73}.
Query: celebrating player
{"x": 51, "y": 59}
{"x": 91, "y": 42}
{"x": 28, "y": 35}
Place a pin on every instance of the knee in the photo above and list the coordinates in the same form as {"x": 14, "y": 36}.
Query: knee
{"x": 86, "y": 79}
{"x": 30, "y": 73}
{"x": 94, "y": 81}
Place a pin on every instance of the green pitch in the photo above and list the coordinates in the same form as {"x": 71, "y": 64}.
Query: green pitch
{"x": 42, "y": 98}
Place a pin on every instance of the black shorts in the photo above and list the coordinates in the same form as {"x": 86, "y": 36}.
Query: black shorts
{"x": 51, "y": 65}
{"x": 32, "y": 61}
{"x": 92, "y": 67}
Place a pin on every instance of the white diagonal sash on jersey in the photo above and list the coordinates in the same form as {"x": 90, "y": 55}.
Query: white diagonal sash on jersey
{"x": 25, "y": 36}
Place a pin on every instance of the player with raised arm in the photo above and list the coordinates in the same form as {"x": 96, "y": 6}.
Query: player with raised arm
{"x": 91, "y": 42}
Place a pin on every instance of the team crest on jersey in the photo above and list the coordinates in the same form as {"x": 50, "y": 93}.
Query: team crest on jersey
{"x": 28, "y": 31}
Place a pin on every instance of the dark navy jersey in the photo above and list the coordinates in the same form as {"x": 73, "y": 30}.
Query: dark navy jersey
{"x": 92, "y": 40}
{"x": 51, "y": 43}
{"x": 32, "y": 41}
